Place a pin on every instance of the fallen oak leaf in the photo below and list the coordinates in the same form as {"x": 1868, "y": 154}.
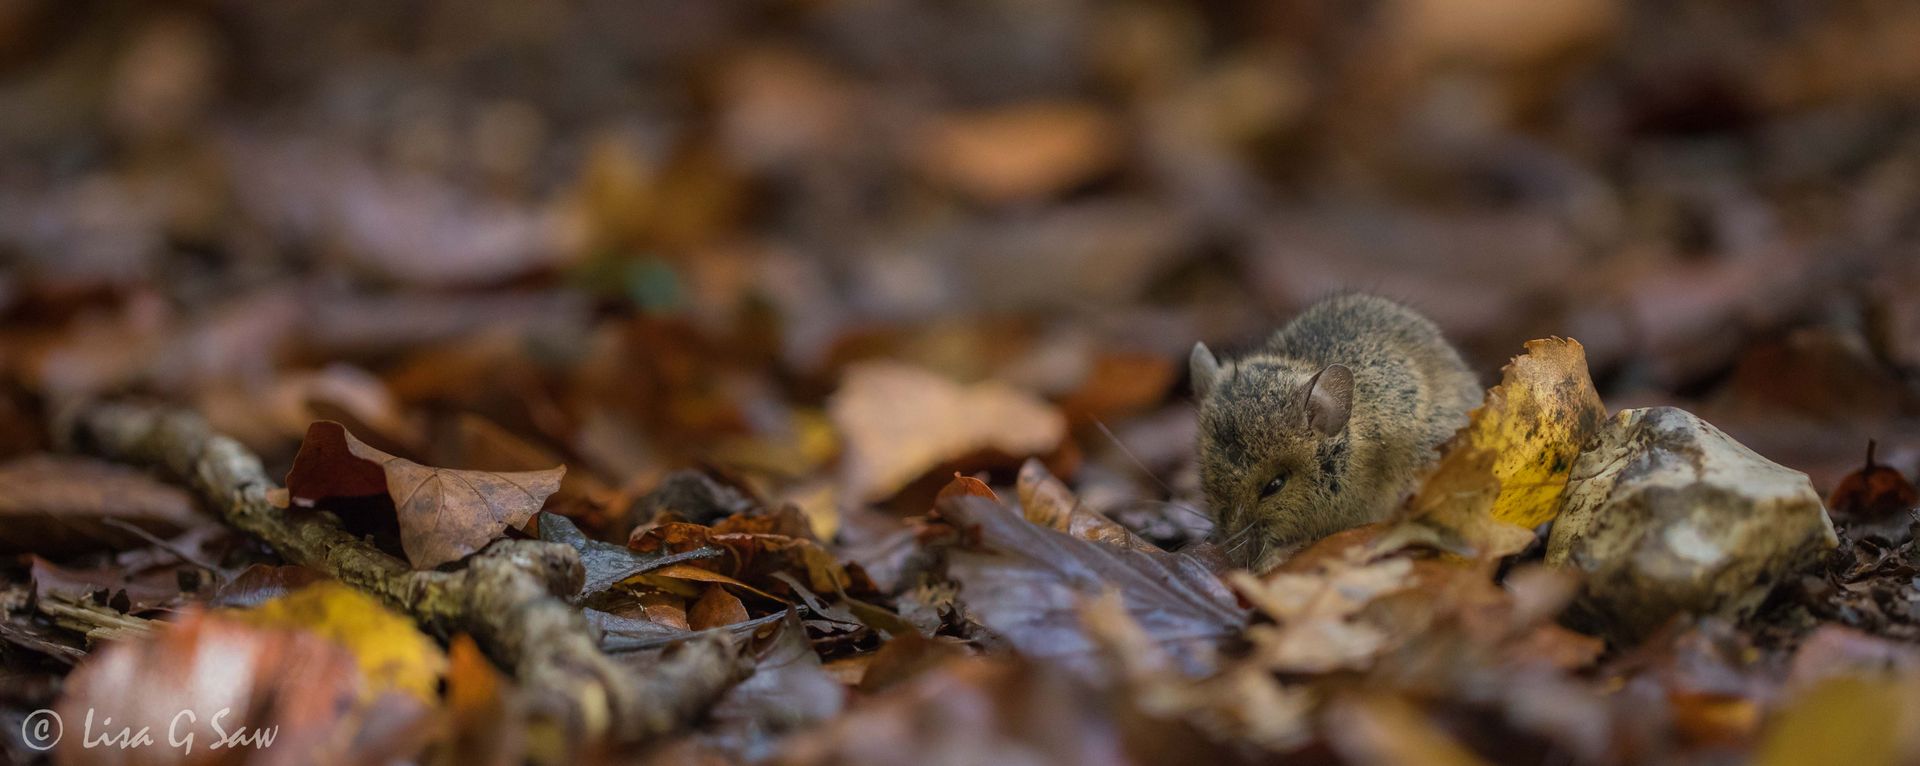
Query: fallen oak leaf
{"x": 444, "y": 514}
{"x": 485, "y": 713}
{"x": 789, "y": 690}
{"x": 1242, "y": 702}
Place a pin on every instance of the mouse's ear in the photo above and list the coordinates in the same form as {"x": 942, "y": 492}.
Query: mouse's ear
{"x": 1204, "y": 369}
{"x": 1330, "y": 399}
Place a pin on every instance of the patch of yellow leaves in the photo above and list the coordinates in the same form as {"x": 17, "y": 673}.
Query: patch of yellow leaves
{"x": 393, "y": 655}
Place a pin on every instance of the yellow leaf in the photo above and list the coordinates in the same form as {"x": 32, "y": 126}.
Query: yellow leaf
{"x": 1504, "y": 473}
{"x": 1847, "y": 720}
{"x": 392, "y": 654}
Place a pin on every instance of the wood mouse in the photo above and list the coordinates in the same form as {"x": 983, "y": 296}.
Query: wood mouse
{"x": 1325, "y": 427}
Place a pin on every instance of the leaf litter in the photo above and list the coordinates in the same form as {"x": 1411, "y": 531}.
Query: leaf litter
{"x": 764, "y": 312}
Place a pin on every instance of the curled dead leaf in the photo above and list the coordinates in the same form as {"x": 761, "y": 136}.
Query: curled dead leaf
{"x": 444, "y": 514}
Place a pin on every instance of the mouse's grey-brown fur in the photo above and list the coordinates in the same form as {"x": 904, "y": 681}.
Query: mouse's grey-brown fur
{"x": 1327, "y": 425}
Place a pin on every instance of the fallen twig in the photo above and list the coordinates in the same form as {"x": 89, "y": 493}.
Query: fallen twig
{"x": 509, "y": 597}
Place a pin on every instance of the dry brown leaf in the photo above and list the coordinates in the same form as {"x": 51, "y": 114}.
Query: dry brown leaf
{"x": 1044, "y": 500}
{"x": 444, "y": 514}
{"x": 716, "y": 608}
{"x": 963, "y": 486}
{"x": 53, "y": 505}
{"x": 1316, "y": 613}
{"x": 665, "y": 609}
{"x": 1504, "y": 473}
{"x": 1020, "y": 152}
{"x": 898, "y": 422}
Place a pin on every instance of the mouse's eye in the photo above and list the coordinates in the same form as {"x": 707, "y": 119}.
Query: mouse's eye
{"x": 1274, "y": 485}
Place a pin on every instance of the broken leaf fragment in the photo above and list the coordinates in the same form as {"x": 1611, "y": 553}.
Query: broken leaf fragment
{"x": 444, "y": 514}
{"x": 1504, "y": 473}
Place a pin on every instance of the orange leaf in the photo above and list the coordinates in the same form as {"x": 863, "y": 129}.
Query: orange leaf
{"x": 716, "y": 608}
{"x": 962, "y": 486}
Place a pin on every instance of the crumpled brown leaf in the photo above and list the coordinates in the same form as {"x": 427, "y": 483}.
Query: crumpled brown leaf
{"x": 1316, "y": 613}
{"x": 444, "y": 514}
{"x": 1019, "y": 152}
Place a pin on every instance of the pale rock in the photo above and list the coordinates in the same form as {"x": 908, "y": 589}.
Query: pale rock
{"x": 1666, "y": 514}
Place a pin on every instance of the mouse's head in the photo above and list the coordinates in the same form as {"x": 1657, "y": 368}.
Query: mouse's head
{"x": 1273, "y": 451}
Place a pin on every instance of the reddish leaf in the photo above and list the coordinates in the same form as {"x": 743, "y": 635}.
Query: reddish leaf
{"x": 965, "y": 486}
{"x": 444, "y": 514}
{"x": 1873, "y": 491}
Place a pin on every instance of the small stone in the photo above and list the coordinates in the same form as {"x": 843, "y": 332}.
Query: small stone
{"x": 1667, "y": 515}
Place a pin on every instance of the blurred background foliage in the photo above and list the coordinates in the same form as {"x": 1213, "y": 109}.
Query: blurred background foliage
{"x": 654, "y": 233}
